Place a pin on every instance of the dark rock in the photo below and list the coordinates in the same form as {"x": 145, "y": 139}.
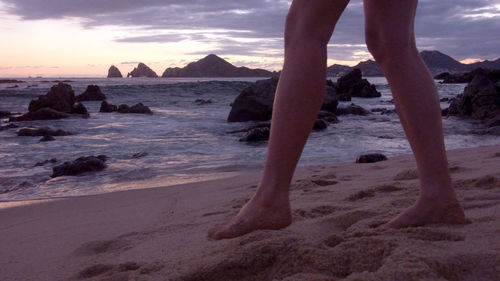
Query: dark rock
{"x": 493, "y": 122}
{"x": 60, "y": 97}
{"x": 353, "y": 109}
{"x": 123, "y": 108}
{"x": 202, "y": 101}
{"x": 7, "y": 81}
{"x": 371, "y": 158}
{"x": 93, "y": 92}
{"x": 9, "y": 126}
{"x": 352, "y": 85}
{"x": 493, "y": 75}
{"x": 4, "y": 113}
{"x": 142, "y": 70}
{"x": 44, "y": 131}
{"x": 328, "y": 116}
{"x": 255, "y": 102}
{"x": 444, "y": 99}
{"x": 256, "y": 134}
{"x": 107, "y": 107}
{"x": 114, "y": 72}
{"x": 138, "y": 108}
{"x": 80, "y": 165}
{"x": 442, "y": 75}
{"x": 480, "y": 100}
{"x": 53, "y": 160}
{"x": 41, "y": 114}
{"x": 47, "y": 138}
{"x": 80, "y": 109}
{"x": 320, "y": 125}
{"x": 493, "y": 131}
{"x": 384, "y": 111}
{"x": 13, "y": 87}
{"x": 258, "y": 125}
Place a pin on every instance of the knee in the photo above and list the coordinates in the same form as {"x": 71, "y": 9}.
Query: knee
{"x": 384, "y": 46}
{"x": 305, "y": 29}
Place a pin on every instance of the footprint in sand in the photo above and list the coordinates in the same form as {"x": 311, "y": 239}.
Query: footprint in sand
{"x": 429, "y": 234}
{"x": 367, "y": 193}
{"x": 120, "y": 271}
{"x": 316, "y": 212}
{"x": 100, "y": 247}
{"x": 484, "y": 182}
{"x": 407, "y": 175}
{"x": 346, "y": 220}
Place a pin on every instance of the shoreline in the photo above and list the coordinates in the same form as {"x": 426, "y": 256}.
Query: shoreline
{"x": 160, "y": 233}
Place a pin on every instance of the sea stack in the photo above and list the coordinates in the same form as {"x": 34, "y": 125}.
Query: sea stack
{"x": 114, "y": 72}
{"x": 142, "y": 70}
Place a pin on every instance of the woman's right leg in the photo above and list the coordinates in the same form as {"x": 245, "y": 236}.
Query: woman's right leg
{"x": 298, "y": 99}
{"x": 390, "y": 39}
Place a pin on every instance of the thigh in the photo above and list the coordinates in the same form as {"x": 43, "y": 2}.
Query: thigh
{"x": 390, "y": 20}
{"x": 317, "y": 16}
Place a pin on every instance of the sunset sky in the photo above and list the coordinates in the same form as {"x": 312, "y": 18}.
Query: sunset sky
{"x": 85, "y": 37}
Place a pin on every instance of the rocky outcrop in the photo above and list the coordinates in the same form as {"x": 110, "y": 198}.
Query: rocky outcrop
{"x": 480, "y": 100}
{"x": 5, "y": 113}
{"x": 137, "y": 108}
{"x": 114, "y": 72}
{"x": 371, "y": 158}
{"x": 60, "y": 97}
{"x": 93, "y": 92}
{"x": 255, "y": 102}
{"x": 58, "y": 103}
{"x": 352, "y": 109}
{"x": 80, "y": 165}
{"x": 41, "y": 114}
{"x": 123, "y": 108}
{"x": 142, "y": 70}
{"x": 9, "y": 81}
{"x": 107, "y": 107}
{"x": 256, "y": 134}
{"x": 352, "y": 85}
{"x": 493, "y": 75}
{"x": 214, "y": 66}
{"x": 44, "y": 131}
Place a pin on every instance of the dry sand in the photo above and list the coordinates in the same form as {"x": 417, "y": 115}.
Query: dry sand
{"x": 160, "y": 233}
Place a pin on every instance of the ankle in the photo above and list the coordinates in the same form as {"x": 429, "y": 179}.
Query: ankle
{"x": 271, "y": 198}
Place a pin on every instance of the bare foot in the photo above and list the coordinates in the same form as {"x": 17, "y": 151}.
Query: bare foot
{"x": 429, "y": 211}
{"x": 251, "y": 217}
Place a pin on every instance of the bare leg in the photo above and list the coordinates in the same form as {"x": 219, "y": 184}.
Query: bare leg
{"x": 298, "y": 99}
{"x": 390, "y": 38}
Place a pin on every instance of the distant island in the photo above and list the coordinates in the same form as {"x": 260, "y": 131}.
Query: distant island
{"x": 214, "y": 66}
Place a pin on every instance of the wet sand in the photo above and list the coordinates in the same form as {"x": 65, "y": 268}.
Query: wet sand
{"x": 160, "y": 233}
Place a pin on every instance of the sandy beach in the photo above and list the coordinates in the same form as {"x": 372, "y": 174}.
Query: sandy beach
{"x": 160, "y": 233}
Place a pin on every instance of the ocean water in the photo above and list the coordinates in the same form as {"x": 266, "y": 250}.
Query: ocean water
{"x": 182, "y": 141}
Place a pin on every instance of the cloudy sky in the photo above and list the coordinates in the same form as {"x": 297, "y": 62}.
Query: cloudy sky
{"x": 84, "y": 37}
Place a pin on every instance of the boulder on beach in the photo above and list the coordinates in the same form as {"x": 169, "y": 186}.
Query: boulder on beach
{"x": 493, "y": 75}
{"x": 352, "y": 85}
{"x": 371, "y": 158}
{"x": 114, "y": 72}
{"x": 256, "y": 134}
{"x": 142, "y": 70}
{"x": 352, "y": 109}
{"x": 44, "y": 131}
{"x": 137, "y": 108}
{"x": 60, "y": 97}
{"x": 107, "y": 107}
{"x": 58, "y": 103}
{"x": 80, "y": 165}
{"x": 480, "y": 100}
{"x": 93, "y": 92}
{"x": 320, "y": 125}
{"x": 5, "y": 113}
{"x": 255, "y": 102}
{"x": 41, "y": 114}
